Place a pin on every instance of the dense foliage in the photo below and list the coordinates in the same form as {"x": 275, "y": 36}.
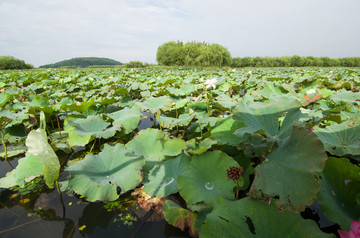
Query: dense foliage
{"x": 9, "y": 62}
{"x": 294, "y": 61}
{"x": 224, "y": 153}
{"x": 82, "y": 62}
{"x": 134, "y": 64}
{"x": 192, "y": 54}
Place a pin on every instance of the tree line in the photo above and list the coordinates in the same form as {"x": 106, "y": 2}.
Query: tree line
{"x": 203, "y": 54}
{"x": 9, "y": 62}
{"x": 295, "y": 61}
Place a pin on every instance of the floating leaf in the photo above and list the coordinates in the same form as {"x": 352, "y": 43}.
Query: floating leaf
{"x": 163, "y": 178}
{"x": 340, "y": 191}
{"x": 97, "y": 176}
{"x": 252, "y": 218}
{"x": 297, "y": 159}
{"x": 205, "y": 179}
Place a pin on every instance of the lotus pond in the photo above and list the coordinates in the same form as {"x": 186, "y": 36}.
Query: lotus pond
{"x": 164, "y": 152}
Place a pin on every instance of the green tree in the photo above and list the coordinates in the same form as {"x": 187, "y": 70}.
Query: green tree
{"x": 9, "y": 62}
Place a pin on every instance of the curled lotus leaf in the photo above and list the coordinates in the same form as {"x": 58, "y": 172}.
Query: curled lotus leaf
{"x": 27, "y": 169}
{"x": 205, "y": 180}
{"x": 38, "y": 145}
{"x": 97, "y": 177}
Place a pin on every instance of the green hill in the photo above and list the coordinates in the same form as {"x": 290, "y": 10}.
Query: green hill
{"x": 82, "y": 62}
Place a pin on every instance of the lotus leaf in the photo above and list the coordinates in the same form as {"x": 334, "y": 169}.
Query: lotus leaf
{"x": 127, "y": 118}
{"x": 163, "y": 178}
{"x": 27, "y": 169}
{"x": 4, "y": 98}
{"x": 154, "y": 145}
{"x": 92, "y": 125}
{"x": 339, "y": 194}
{"x": 97, "y": 176}
{"x": 346, "y": 96}
{"x": 252, "y": 218}
{"x": 341, "y": 139}
{"x": 196, "y": 148}
{"x": 265, "y": 116}
{"x": 288, "y": 173}
{"x": 179, "y": 217}
{"x": 170, "y": 122}
{"x": 154, "y": 104}
{"x": 224, "y": 131}
{"x": 205, "y": 179}
{"x": 38, "y": 145}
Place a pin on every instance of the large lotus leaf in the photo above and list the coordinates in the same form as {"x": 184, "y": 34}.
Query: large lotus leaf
{"x": 224, "y": 131}
{"x": 127, "y": 118}
{"x": 252, "y": 218}
{"x": 205, "y": 180}
{"x": 163, "y": 178}
{"x": 154, "y": 145}
{"x": 154, "y": 104}
{"x": 339, "y": 196}
{"x": 93, "y": 125}
{"x": 346, "y": 96}
{"x": 27, "y": 169}
{"x": 4, "y": 98}
{"x": 341, "y": 139}
{"x": 97, "y": 176}
{"x": 288, "y": 173}
{"x": 181, "y": 218}
{"x": 265, "y": 116}
{"x": 38, "y": 145}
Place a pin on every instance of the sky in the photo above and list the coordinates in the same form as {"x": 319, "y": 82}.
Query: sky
{"x": 47, "y": 31}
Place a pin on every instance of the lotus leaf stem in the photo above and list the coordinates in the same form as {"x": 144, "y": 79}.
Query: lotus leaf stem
{"x": 92, "y": 147}
{"x": 207, "y": 104}
{"x": 199, "y": 124}
{"x": 58, "y": 122}
{"x": 61, "y": 199}
{"x": 158, "y": 112}
{"x": 5, "y": 149}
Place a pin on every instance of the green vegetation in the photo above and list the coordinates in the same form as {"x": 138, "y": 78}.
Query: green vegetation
{"x": 192, "y": 54}
{"x": 82, "y": 62}
{"x": 235, "y": 153}
{"x": 135, "y": 64}
{"x": 295, "y": 61}
{"x": 9, "y": 62}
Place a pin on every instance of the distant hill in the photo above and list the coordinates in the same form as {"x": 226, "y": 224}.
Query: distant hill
{"x": 82, "y": 62}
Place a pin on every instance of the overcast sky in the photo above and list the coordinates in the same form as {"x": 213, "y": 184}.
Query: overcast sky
{"x": 46, "y": 31}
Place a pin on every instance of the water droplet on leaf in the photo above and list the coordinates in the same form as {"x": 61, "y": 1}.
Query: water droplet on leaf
{"x": 209, "y": 186}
